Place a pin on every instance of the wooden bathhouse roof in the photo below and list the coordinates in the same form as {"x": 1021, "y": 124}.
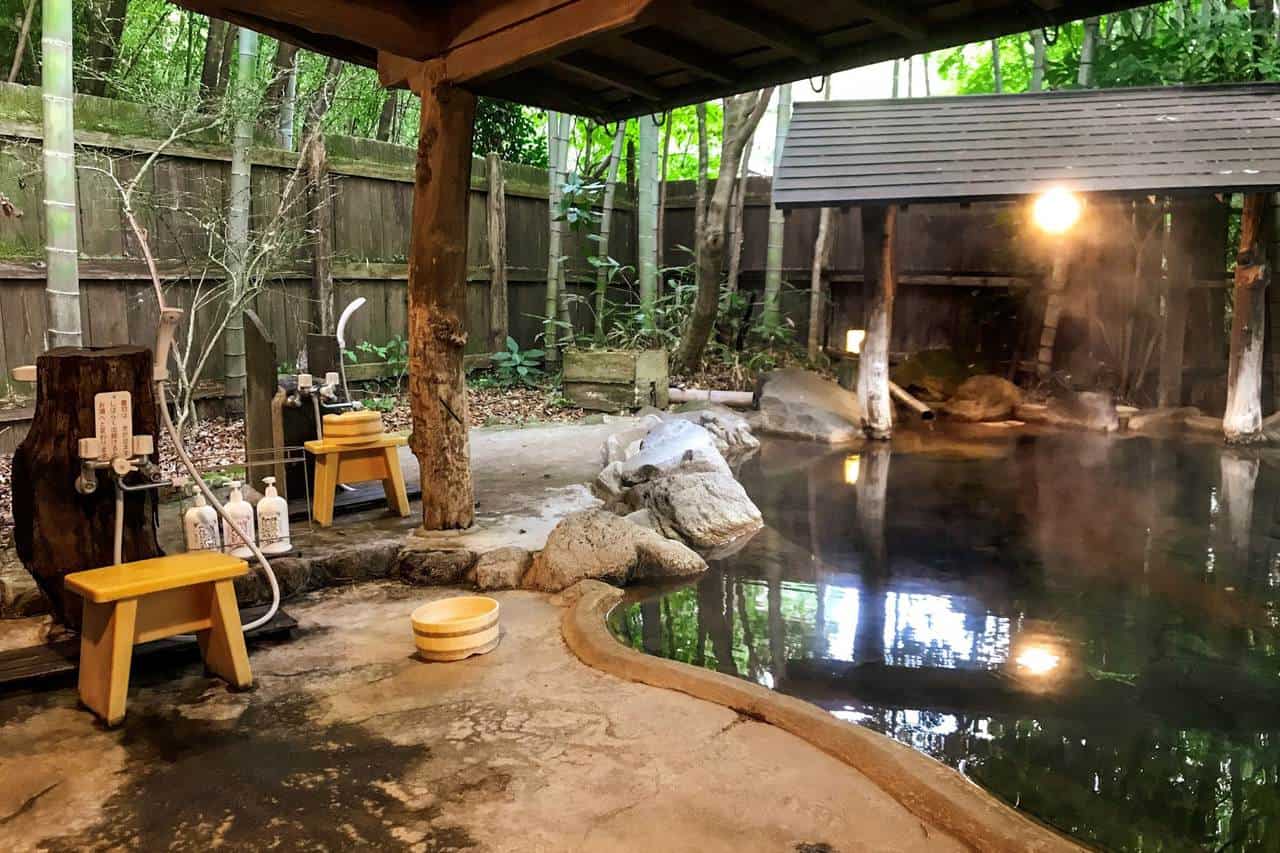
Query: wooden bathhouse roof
{"x": 615, "y": 58}
{"x": 1166, "y": 140}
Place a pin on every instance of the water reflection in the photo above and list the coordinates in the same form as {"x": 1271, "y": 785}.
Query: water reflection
{"x": 1084, "y": 625}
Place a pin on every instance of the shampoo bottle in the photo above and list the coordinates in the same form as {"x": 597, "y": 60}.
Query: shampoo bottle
{"x": 242, "y": 513}
{"x": 273, "y": 520}
{"x": 201, "y": 525}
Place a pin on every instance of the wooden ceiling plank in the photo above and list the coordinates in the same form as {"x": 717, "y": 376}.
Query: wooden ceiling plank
{"x": 682, "y": 53}
{"x": 765, "y": 26}
{"x": 889, "y": 18}
{"x": 611, "y": 74}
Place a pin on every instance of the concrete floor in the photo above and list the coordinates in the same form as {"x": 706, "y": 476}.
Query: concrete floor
{"x": 347, "y": 741}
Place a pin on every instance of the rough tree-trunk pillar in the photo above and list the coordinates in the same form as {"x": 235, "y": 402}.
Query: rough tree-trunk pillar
{"x": 880, "y": 280}
{"x": 438, "y": 300}
{"x": 1052, "y": 312}
{"x": 497, "y": 220}
{"x": 1242, "y": 422}
{"x": 1177, "y": 298}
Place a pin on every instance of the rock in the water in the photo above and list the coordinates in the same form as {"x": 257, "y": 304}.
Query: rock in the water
{"x": 668, "y": 445}
{"x": 420, "y": 565}
{"x": 705, "y": 509}
{"x": 597, "y": 544}
{"x": 801, "y": 404}
{"x": 983, "y": 398}
{"x": 1085, "y": 410}
{"x": 626, "y": 443}
{"x": 731, "y": 431}
{"x": 502, "y": 568}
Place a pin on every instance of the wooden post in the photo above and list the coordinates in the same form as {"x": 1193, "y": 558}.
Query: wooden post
{"x": 1242, "y": 422}
{"x": 58, "y": 531}
{"x": 320, "y": 212}
{"x": 438, "y": 300}
{"x": 880, "y": 277}
{"x": 497, "y": 220}
{"x": 1052, "y": 311}
{"x": 1177, "y": 299}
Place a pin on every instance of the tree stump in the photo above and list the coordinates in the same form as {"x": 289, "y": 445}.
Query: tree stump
{"x": 57, "y": 530}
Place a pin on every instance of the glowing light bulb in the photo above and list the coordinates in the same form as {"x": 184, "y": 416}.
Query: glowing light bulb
{"x": 852, "y": 463}
{"x": 1038, "y": 660}
{"x": 853, "y": 340}
{"x": 1057, "y": 210}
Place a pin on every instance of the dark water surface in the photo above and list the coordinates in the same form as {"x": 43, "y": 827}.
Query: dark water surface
{"x": 1085, "y": 626}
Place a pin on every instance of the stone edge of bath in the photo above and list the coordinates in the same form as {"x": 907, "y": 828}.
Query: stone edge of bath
{"x": 928, "y": 789}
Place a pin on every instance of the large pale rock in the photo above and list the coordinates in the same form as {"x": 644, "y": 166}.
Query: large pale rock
{"x": 502, "y": 568}
{"x": 730, "y": 430}
{"x": 669, "y": 445}
{"x": 707, "y": 510}
{"x": 626, "y": 443}
{"x": 1095, "y": 410}
{"x": 801, "y": 404}
{"x": 983, "y": 398}
{"x": 594, "y": 544}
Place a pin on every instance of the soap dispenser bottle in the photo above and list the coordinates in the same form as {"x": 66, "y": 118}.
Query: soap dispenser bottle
{"x": 201, "y": 525}
{"x": 241, "y": 513}
{"x": 273, "y": 521}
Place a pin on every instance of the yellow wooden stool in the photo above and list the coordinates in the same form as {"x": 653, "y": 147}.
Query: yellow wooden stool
{"x": 357, "y": 460}
{"x": 149, "y": 600}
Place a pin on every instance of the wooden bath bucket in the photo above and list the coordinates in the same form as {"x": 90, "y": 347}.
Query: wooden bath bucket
{"x": 456, "y": 628}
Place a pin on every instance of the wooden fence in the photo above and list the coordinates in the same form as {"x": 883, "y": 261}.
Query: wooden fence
{"x": 951, "y": 255}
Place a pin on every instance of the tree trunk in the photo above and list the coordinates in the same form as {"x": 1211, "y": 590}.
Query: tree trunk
{"x": 661, "y": 230}
{"x": 497, "y": 223}
{"x": 1242, "y": 423}
{"x": 777, "y": 222}
{"x": 1037, "y": 61}
{"x": 1087, "y": 50}
{"x": 606, "y": 226}
{"x": 896, "y": 64}
{"x": 700, "y": 193}
{"x": 280, "y": 92}
{"x": 57, "y": 530}
{"x": 62, "y": 274}
{"x": 647, "y": 216}
{"x": 438, "y": 300}
{"x": 1052, "y": 313}
{"x": 215, "y": 41}
{"x": 996, "y": 78}
{"x": 103, "y": 45}
{"x": 555, "y": 225}
{"x": 239, "y": 204}
{"x": 742, "y": 115}
{"x": 924, "y": 66}
{"x": 24, "y": 33}
{"x": 386, "y": 119}
{"x": 821, "y": 252}
{"x": 1183, "y": 230}
{"x": 880, "y": 280}
{"x": 320, "y": 214}
{"x": 737, "y": 215}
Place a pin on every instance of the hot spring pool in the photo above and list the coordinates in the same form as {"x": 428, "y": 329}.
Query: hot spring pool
{"x": 1085, "y": 626}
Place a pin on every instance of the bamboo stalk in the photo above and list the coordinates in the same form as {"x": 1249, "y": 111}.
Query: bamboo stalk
{"x": 606, "y": 225}
{"x": 238, "y": 213}
{"x": 62, "y": 286}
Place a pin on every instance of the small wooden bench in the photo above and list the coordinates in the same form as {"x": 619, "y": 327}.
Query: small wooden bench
{"x": 348, "y": 461}
{"x": 149, "y": 600}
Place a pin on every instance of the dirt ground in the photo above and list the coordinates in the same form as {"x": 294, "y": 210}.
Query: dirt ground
{"x": 347, "y": 740}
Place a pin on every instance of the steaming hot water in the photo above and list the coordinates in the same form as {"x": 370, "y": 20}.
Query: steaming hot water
{"x": 1086, "y": 626}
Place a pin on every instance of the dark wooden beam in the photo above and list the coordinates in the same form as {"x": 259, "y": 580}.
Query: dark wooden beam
{"x": 682, "y": 52}
{"x": 889, "y": 18}
{"x": 610, "y": 74}
{"x": 765, "y": 26}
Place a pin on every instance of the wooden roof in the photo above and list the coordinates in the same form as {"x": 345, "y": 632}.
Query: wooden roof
{"x": 613, "y": 58}
{"x": 1167, "y": 140}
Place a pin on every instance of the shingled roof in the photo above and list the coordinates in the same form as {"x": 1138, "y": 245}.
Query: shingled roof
{"x": 985, "y": 147}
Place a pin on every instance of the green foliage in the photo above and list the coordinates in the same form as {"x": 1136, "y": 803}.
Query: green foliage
{"x": 514, "y": 366}
{"x": 381, "y": 404}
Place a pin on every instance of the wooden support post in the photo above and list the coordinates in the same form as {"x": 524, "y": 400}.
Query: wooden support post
{"x": 438, "y": 300}
{"x": 880, "y": 277}
{"x": 497, "y": 220}
{"x": 1052, "y": 312}
{"x": 320, "y": 213}
{"x": 1242, "y": 422}
{"x": 1177, "y": 299}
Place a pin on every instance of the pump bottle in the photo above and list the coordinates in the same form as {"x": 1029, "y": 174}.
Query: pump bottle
{"x": 241, "y": 512}
{"x": 273, "y": 521}
{"x": 201, "y": 525}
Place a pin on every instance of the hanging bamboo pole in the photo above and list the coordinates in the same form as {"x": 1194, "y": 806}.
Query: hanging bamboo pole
{"x": 62, "y": 277}
{"x": 777, "y": 222}
{"x": 606, "y": 225}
